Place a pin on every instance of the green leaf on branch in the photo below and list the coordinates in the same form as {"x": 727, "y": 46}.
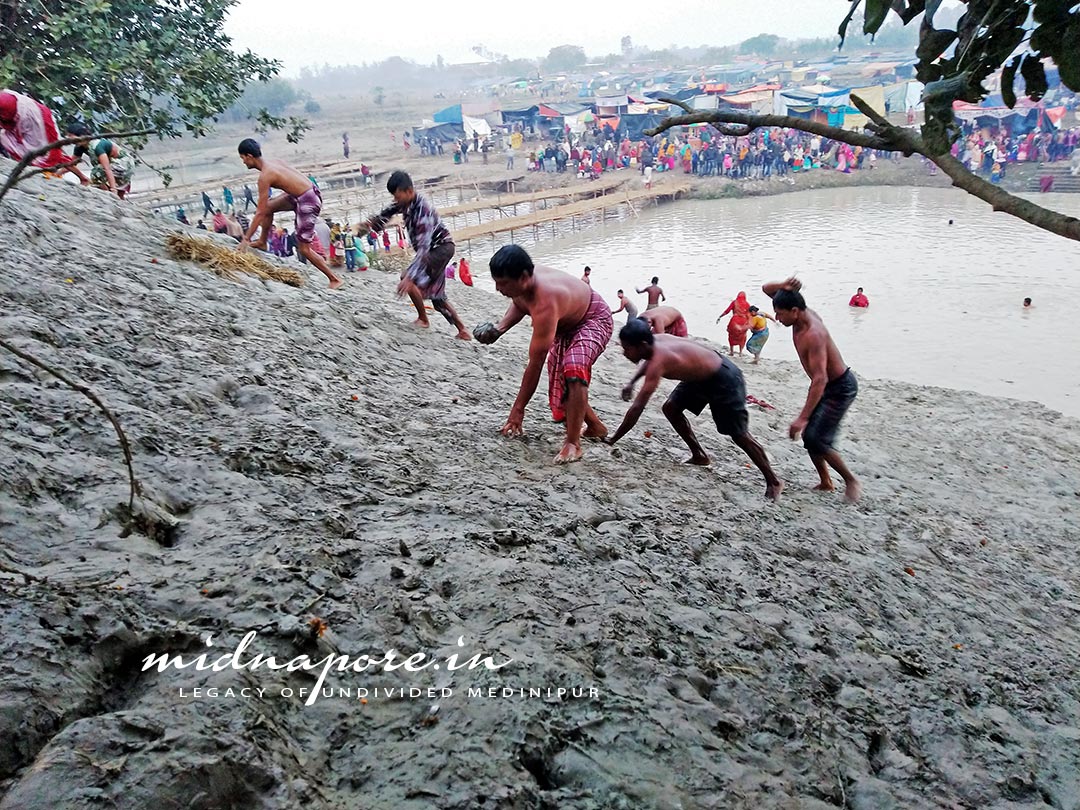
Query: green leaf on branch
{"x": 127, "y": 64}
{"x": 933, "y": 42}
{"x": 847, "y": 20}
{"x": 1034, "y": 77}
{"x": 876, "y": 12}
{"x": 1008, "y": 76}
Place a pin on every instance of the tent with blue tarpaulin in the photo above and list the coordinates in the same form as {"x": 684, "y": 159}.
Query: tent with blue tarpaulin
{"x": 635, "y": 125}
{"x": 448, "y": 115}
{"x": 443, "y": 133}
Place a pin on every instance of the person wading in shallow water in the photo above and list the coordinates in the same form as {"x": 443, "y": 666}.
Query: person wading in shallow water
{"x": 300, "y": 196}
{"x": 656, "y": 295}
{"x": 571, "y": 328}
{"x": 833, "y": 386}
{"x": 706, "y": 378}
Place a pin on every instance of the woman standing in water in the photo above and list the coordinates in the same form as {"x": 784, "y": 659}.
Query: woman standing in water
{"x": 739, "y": 323}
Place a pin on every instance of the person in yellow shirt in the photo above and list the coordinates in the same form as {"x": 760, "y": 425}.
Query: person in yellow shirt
{"x": 759, "y": 332}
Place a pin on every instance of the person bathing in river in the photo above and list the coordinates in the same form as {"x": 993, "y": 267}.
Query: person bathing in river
{"x": 705, "y": 378}
{"x": 626, "y": 304}
{"x": 656, "y": 295}
{"x": 571, "y": 328}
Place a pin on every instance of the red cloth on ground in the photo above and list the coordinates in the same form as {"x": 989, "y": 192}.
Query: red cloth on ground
{"x": 464, "y": 273}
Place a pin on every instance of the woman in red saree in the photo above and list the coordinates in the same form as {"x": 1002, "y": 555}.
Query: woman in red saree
{"x": 27, "y": 125}
{"x": 739, "y": 324}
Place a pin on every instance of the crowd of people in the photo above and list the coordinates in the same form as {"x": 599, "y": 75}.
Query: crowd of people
{"x": 762, "y": 154}
{"x": 704, "y": 152}
{"x": 990, "y": 153}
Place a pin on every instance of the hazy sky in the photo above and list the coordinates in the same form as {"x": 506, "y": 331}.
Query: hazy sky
{"x": 314, "y": 32}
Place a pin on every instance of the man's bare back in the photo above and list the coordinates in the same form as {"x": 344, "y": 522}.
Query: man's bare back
{"x": 556, "y": 295}
{"x": 655, "y": 294}
{"x": 660, "y": 318}
{"x": 676, "y": 358}
{"x": 808, "y": 337}
{"x": 280, "y": 175}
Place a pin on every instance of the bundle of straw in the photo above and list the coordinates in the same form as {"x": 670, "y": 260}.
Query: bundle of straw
{"x": 392, "y": 262}
{"x": 228, "y": 261}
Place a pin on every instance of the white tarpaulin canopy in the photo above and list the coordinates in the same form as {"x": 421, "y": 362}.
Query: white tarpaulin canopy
{"x": 477, "y": 125}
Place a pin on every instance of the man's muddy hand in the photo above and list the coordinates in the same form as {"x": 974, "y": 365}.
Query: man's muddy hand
{"x": 797, "y": 427}
{"x": 486, "y": 333}
{"x": 513, "y": 428}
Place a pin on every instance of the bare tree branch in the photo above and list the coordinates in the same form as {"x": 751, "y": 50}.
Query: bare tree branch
{"x": 17, "y": 176}
{"x": 1003, "y": 201}
{"x": 82, "y": 389}
{"x": 28, "y": 173}
{"x": 891, "y": 138}
{"x": 752, "y": 121}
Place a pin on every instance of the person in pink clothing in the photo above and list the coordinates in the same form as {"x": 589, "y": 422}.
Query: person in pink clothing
{"x": 859, "y": 300}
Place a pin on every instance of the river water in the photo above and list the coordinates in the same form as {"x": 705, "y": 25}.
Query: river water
{"x": 945, "y": 300}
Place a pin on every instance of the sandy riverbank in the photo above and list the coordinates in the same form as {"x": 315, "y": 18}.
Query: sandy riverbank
{"x": 323, "y": 459}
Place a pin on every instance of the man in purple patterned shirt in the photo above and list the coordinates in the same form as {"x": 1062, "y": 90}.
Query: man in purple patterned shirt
{"x": 426, "y": 276}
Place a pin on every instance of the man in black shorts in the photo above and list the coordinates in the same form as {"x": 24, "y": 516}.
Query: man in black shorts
{"x": 706, "y": 379}
{"x": 832, "y": 385}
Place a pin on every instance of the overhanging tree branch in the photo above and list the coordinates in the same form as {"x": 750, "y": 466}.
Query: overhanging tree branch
{"x": 752, "y": 121}
{"x": 891, "y": 138}
{"x": 18, "y": 174}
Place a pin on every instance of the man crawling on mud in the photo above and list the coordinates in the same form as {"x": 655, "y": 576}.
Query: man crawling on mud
{"x": 706, "y": 379}
{"x": 300, "y": 195}
{"x": 571, "y": 328}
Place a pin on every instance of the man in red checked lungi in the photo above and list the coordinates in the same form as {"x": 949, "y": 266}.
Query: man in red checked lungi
{"x": 571, "y": 328}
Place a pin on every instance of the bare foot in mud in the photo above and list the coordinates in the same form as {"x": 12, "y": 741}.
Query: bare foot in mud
{"x": 853, "y": 491}
{"x": 569, "y": 453}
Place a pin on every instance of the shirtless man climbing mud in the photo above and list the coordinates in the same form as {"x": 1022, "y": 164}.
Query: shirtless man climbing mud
{"x": 300, "y": 195}
{"x": 571, "y": 328}
{"x": 705, "y": 378}
{"x": 833, "y": 386}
